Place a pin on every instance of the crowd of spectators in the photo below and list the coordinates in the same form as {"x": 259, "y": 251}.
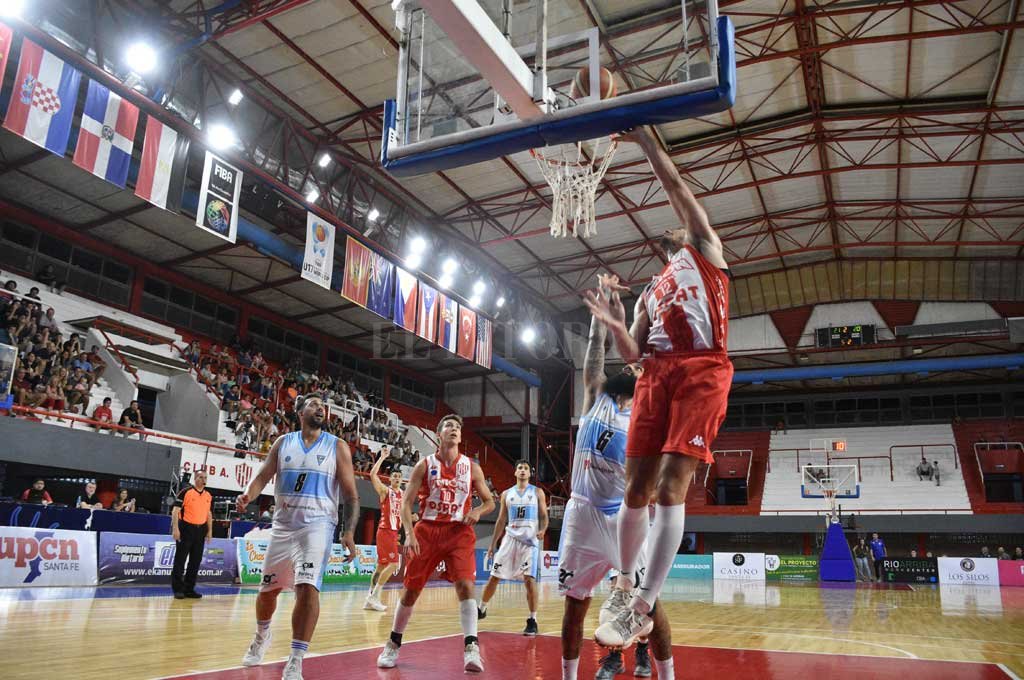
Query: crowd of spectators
{"x": 87, "y": 500}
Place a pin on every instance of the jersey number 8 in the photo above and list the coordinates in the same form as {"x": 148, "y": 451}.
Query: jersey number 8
{"x": 300, "y": 481}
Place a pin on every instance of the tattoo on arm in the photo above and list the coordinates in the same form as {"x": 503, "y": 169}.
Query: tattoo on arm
{"x": 351, "y": 513}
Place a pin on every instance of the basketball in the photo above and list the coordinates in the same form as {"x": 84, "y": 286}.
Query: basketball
{"x": 581, "y": 84}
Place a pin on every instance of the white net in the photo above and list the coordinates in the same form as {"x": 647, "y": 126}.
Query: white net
{"x": 574, "y": 171}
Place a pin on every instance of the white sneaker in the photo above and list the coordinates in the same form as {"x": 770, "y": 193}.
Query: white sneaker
{"x": 389, "y": 657}
{"x": 374, "y": 604}
{"x": 613, "y": 606}
{"x": 472, "y": 659}
{"x": 624, "y": 629}
{"x": 257, "y": 648}
{"x": 292, "y": 669}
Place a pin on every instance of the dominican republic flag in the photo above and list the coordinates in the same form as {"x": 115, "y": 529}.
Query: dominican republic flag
{"x": 107, "y": 135}
{"x": 448, "y": 322}
{"x": 162, "y": 170}
{"x": 357, "y": 272}
{"x": 404, "y": 313}
{"x": 467, "y": 333}
{"x": 426, "y": 313}
{"x": 43, "y": 99}
{"x": 484, "y": 341}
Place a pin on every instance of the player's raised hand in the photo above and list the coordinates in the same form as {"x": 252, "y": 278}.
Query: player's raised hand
{"x": 242, "y": 502}
{"x": 637, "y": 135}
{"x": 606, "y": 309}
{"x": 609, "y": 283}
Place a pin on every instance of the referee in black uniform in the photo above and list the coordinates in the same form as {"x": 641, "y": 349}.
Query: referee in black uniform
{"x": 192, "y": 526}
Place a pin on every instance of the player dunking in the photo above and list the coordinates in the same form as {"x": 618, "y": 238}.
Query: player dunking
{"x": 589, "y": 545}
{"x": 444, "y": 483}
{"x": 390, "y": 498}
{"x": 524, "y": 519}
{"x": 680, "y": 324}
{"x": 311, "y": 468}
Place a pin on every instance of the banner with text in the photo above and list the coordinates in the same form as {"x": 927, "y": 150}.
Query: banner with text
{"x": 978, "y": 571}
{"x": 46, "y": 557}
{"x": 691, "y": 567}
{"x": 741, "y": 566}
{"x": 149, "y": 558}
{"x": 217, "y": 212}
{"x": 318, "y": 260}
{"x": 223, "y": 472}
{"x": 253, "y": 552}
{"x": 910, "y": 570}
{"x": 790, "y": 568}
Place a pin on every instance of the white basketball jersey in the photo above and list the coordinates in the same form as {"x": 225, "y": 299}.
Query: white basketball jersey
{"x": 306, "y": 490}
{"x": 523, "y": 509}
{"x": 599, "y": 464}
{"x": 447, "y": 491}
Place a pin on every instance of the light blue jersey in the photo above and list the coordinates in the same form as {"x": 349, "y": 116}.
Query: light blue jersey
{"x": 599, "y": 463}
{"x": 522, "y": 514}
{"x": 306, "y": 490}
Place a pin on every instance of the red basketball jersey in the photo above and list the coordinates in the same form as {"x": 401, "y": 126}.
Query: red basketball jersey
{"x": 688, "y": 305}
{"x": 391, "y": 510}
{"x": 447, "y": 491}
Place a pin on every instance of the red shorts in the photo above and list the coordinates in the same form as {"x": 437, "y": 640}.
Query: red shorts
{"x": 679, "y": 404}
{"x": 453, "y": 543}
{"x": 387, "y": 547}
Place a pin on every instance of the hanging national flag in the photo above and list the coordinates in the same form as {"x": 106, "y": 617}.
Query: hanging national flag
{"x": 484, "y": 341}
{"x": 380, "y": 298}
{"x": 406, "y": 288}
{"x": 426, "y": 313}
{"x": 357, "y": 272}
{"x": 318, "y": 258}
{"x": 43, "y": 99}
{"x": 6, "y": 38}
{"x": 467, "y": 333}
{"x": 447, "y": 325}
{"x": 162, "y": 170}
{"x": 106, "y": 135}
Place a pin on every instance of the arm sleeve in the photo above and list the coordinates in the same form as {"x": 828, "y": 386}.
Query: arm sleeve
{"x": 46, "y": 495}
{"x": 24, "y": 495}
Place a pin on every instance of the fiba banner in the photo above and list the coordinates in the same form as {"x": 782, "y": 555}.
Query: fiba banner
{"x": 910, "y": 570}
{"x": 740, "y": 566}
{"x": 46, "y": 557}
{"x": 790, "y": 568}
{"x": 978, "y": 571}
{"x": 318, "y": 261}
{"x": 218, "y": 198}
{"x": 149, "y": 558}
{"x": 253, "y": 552}
{"x": 223, "y": 472}
{"x": 691, "y": 567}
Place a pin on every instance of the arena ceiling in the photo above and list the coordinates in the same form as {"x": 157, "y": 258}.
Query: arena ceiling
{"x": 862, "y": 131}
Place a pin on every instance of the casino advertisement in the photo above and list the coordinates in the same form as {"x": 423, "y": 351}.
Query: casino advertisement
{"x": 217, "y": 212}
{"x": 910, "y": 570}
{"x": 253, "y": 552}
{"x": 149, "y": 558}
{"x": 739, "y": 566}
{"x": 46, "y": 557}
{"x": 790, "y": 568}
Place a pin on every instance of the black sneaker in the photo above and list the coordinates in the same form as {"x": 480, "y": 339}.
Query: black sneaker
{"x": 611, "y": 665}
{"x": 643, "y": 661}
{"x": 481, "y": 614}
{"x": 193, "y": 595}
{"x": 179, "y": 596}
{"x": 531, "y": 627}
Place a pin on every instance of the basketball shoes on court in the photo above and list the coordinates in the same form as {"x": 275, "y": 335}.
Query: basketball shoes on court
{"x": 292, "y": 669}
{"x": 642, "y": 668}
{"x": 374, "y": 603}
{"x": 531, "y": 627}
{"x": 471, "y": 658}
{"x": 389, "y": 657}
{"x": 613, "y": 606}
{"x": 611, "y": 665}
{"x": 624, "y": 629}
{"x": 257, "y": 648}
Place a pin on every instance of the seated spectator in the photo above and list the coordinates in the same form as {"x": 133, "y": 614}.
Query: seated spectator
{"x": 246, "y": 435}
{"x": 1001, "y": 554}
{"x": 192, "y": 353}
{"x": 132, "y": 417}
{"x": 77, "y": 391}
{"x": 207, "y": 374}
{"x": 37, "y": 494}
{"x": 1018, "y": 553}
{"x": 924, "y": 469}
{"x": 103, "y": 414}
{"x": 985, "y": 552}
{"x": 11, "y": 286}
{"x": 48, "y": 277}
{"x": 121, "y": 502}
{"x": 73, "y": 345}
{"x": 24, "y": 390}
{"x": 33, "y": 293}
{"x": 47, "y": 320}
{"x": 55, "y": 400}
{"x": 98, "y": 365}
{"x": 89, "y": 500}
{"x": 232, "y": 402}
{"x": 913, "y": 554}
{"x": 268, "y": 514}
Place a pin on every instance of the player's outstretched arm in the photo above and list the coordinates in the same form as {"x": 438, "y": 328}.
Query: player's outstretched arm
{"x": 378, "y": 485}
{"x": 265, "y": 474}
{"x": 480, "y": 484}
{"x": 597, "y": 344}
{"x": 346, "y": 477}
{"x": 499, "y": 526}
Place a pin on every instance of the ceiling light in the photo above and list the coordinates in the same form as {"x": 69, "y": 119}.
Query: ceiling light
{"x": 221, "y": 137}
{"x": 446, "y": 281}
{"x": 479, "y": 287}
{"x": 475, "y": 301}
{"x": 414, "y": 261}
{"x": 312, "y": 195}
{"x": 501, "y": 302}
{"x": 418, "y": 245}
{"x": 325, "y": 160}
{"x": 12, "y": 8}
{"x": 236, "y": 97}
{"x": 528, "y": 335}
{"x": 373, "y": 215}
{"x": 449, "y": 266}
{"x": 141, "y": 57}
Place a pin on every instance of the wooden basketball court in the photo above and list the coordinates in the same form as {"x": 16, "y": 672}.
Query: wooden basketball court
{"x": 784, "y": 631}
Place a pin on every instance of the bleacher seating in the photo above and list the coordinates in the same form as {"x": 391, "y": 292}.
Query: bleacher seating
{"x": 877, "y": 491}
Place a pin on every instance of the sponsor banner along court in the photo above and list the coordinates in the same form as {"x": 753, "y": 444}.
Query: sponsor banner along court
{"x": 741, "y": 566}
{"x": 253, "y": 552}
{"x": 791, "y": 568}
{"x": 222, "y": 471}
{"x": 691, "y": 567}
{"x": 46, "y": 557}
{"x": 978, "y": 571}
{"x": 149, "y": 558}
{"x": 910, "y": 570}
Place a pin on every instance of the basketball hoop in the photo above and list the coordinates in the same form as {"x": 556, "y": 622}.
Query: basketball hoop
{"x": 830, "y": 501}
{"x": 574, "y": 173}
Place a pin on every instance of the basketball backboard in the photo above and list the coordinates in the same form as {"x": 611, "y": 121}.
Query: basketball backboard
{"x": 479, "y": 79}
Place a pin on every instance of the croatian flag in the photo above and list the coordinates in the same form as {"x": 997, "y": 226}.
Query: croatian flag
{"x": 426, "y": 314}
{"x": 448, "y": 324}
{"x": 404, "y": 312}
{"x": 43, "y": 99}
{"x": 107, "y": 135}
{"x": 162, "y": 168}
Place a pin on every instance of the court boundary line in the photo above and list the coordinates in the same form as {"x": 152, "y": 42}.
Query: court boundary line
{"x": 1009, "y": 673}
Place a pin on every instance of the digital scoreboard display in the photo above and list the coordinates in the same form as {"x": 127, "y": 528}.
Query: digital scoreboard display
{"x": 846, "y": 336}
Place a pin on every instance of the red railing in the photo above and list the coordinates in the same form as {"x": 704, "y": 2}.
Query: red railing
{"x": 112, "y": 348}
{"x": 992, "y": 445}
{"x": 860, "y": 472}
{"x": 922, "y": 447}
{"x": 748, "y": 453}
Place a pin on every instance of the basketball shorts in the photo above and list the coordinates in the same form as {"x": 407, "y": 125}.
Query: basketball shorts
{"x": 589, "y": 550}
{"x": 515, "y": 560}
{"x": 679, "y": 404}
{"x": 453, "y": 543}
{"x": 387, "y": 548}
{"x": 297, "y": 556}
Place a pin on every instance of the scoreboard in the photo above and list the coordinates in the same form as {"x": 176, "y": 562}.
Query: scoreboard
{"x": 846, "y": 336}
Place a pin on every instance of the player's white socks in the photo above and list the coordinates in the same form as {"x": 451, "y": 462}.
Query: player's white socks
{"x": 467, "y": 616}
{"x": 483, "y": 606}
{"x": 569, "y": 667}
{"x": 632, "y": 534}
{"x": 263, "y": 628}
{"x": 402, "y": 616}
{"x": 299, "y": 649}
{"x": 375, "y": 591}
{"x": 666, "y": 535}
{"x": 666, "y": 668}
